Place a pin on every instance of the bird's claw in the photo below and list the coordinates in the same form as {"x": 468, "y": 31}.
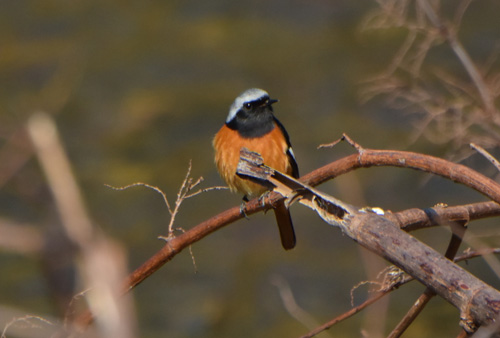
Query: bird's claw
{"x": 242, "y": 209}
{"x": 262, "y": 198}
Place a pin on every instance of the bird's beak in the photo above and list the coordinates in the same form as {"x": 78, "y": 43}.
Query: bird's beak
{"x": 271, "y": 101}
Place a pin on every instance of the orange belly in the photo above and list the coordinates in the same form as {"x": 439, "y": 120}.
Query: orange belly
{"x": 272, "y": 147}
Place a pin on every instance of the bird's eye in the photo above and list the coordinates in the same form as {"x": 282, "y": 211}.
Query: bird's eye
{"x": 248, "y": 105}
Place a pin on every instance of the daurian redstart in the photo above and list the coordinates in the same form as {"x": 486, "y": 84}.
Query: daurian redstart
{"x": 252, "y": 124}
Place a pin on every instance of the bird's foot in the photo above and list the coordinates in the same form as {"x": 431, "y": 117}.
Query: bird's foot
{"x": 243, "y": 206}
{"x": 263, "y": 197}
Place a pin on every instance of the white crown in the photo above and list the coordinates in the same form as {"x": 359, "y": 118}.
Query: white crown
{"x": 248, "y": 95}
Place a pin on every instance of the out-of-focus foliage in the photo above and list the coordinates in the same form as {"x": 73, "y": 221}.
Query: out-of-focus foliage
{"x": 138, "y": 89}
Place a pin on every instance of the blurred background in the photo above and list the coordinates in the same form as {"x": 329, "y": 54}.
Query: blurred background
{"x": 138, "y": 90}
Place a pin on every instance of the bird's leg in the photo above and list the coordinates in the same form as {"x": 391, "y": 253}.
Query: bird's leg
{"x": 263, "y": 197}
{"x": 243, "y": 206}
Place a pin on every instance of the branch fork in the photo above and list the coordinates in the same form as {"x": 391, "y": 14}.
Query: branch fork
{"x": 479, "y": 303}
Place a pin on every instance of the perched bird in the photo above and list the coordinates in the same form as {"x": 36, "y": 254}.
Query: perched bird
{"x": 251, "y": 124}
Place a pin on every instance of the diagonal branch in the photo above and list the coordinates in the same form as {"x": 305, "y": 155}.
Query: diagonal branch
{"x": 458, "y": 232}
{"x": 388, "y": 287}
{"x": 478, "y": 303}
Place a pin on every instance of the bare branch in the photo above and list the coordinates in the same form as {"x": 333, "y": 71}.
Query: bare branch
{"x": 357, "y": 286}
{"x": 459, "y": 14}
{"x": 412, "y": 314}
{"x": 200, "y": 191}
{"x": 458, "y": 232}
{"x": 479, "y": 303}
{"x": 410, "y": 219}
{"x": 346, "y": 315}
{"x": 102, "y": 266}
{"x": 291, "y": 305}
{"x": 31, "y": 320}
{"x": 345, "y": 138}
{"x": 486, "y": 154}
{"x": 51, "y": 154}
{"x": 461, "y": 53}
{"x": 141, "y": 184}
{"x": 451, "y": 110}
{"x": 186, "y": 187}
{"x": 184, "y": 193}
{"x": 393, "y": 279}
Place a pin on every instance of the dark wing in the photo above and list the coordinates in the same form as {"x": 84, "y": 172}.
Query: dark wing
{"x": 289, "y": 152}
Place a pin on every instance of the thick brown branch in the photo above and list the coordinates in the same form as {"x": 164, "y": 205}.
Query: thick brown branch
{"x": 389, "y": 288}
{"x": 478, "y": 302}
{"x": 403, "y": 159}
{"x": 412, "y": 219}
{"x": 458, "y": 232}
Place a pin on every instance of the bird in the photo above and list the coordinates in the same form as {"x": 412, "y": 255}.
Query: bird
{"x": 251, "y": 124}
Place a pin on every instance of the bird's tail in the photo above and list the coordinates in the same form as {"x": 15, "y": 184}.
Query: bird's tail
{"x": 285, "y": 225}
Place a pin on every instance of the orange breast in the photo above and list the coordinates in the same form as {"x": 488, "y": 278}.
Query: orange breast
{"x": 227, "y": 144}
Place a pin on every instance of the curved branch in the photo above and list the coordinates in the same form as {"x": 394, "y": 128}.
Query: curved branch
{"x": 367, "y": 158}
{"x": 364, "y": 159}
{"x": 404, "y": 159}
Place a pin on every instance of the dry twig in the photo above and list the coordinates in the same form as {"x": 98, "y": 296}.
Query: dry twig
{"x": 451, "y": 109}
{"x": 30, "y": 320}
{"x": 291, "y": 305}
{"x": 486, "y": 154}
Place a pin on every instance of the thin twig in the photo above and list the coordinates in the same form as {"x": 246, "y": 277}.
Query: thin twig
{"x": 291, "y": 305}
{"x": 200, "y": 191}
{"x": 357, "y": 286}
{"x": 461, "y": 53}
{"x": 486, "y": 154}
{"x": 459, "y": 14}
{"x": 468, "y": 254}
{"x": 190, "y": 249}
{"x": 141, "y": 184}
{"x": 412, "y": 314}
{"x": 184, "y": 190}
{"x": 183, "y": 193}
{"x": 345, "y": 138}
{"x": 29, "y": 319}
{"x": 71, "y": 308}
{"x": 346, "y": 315}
